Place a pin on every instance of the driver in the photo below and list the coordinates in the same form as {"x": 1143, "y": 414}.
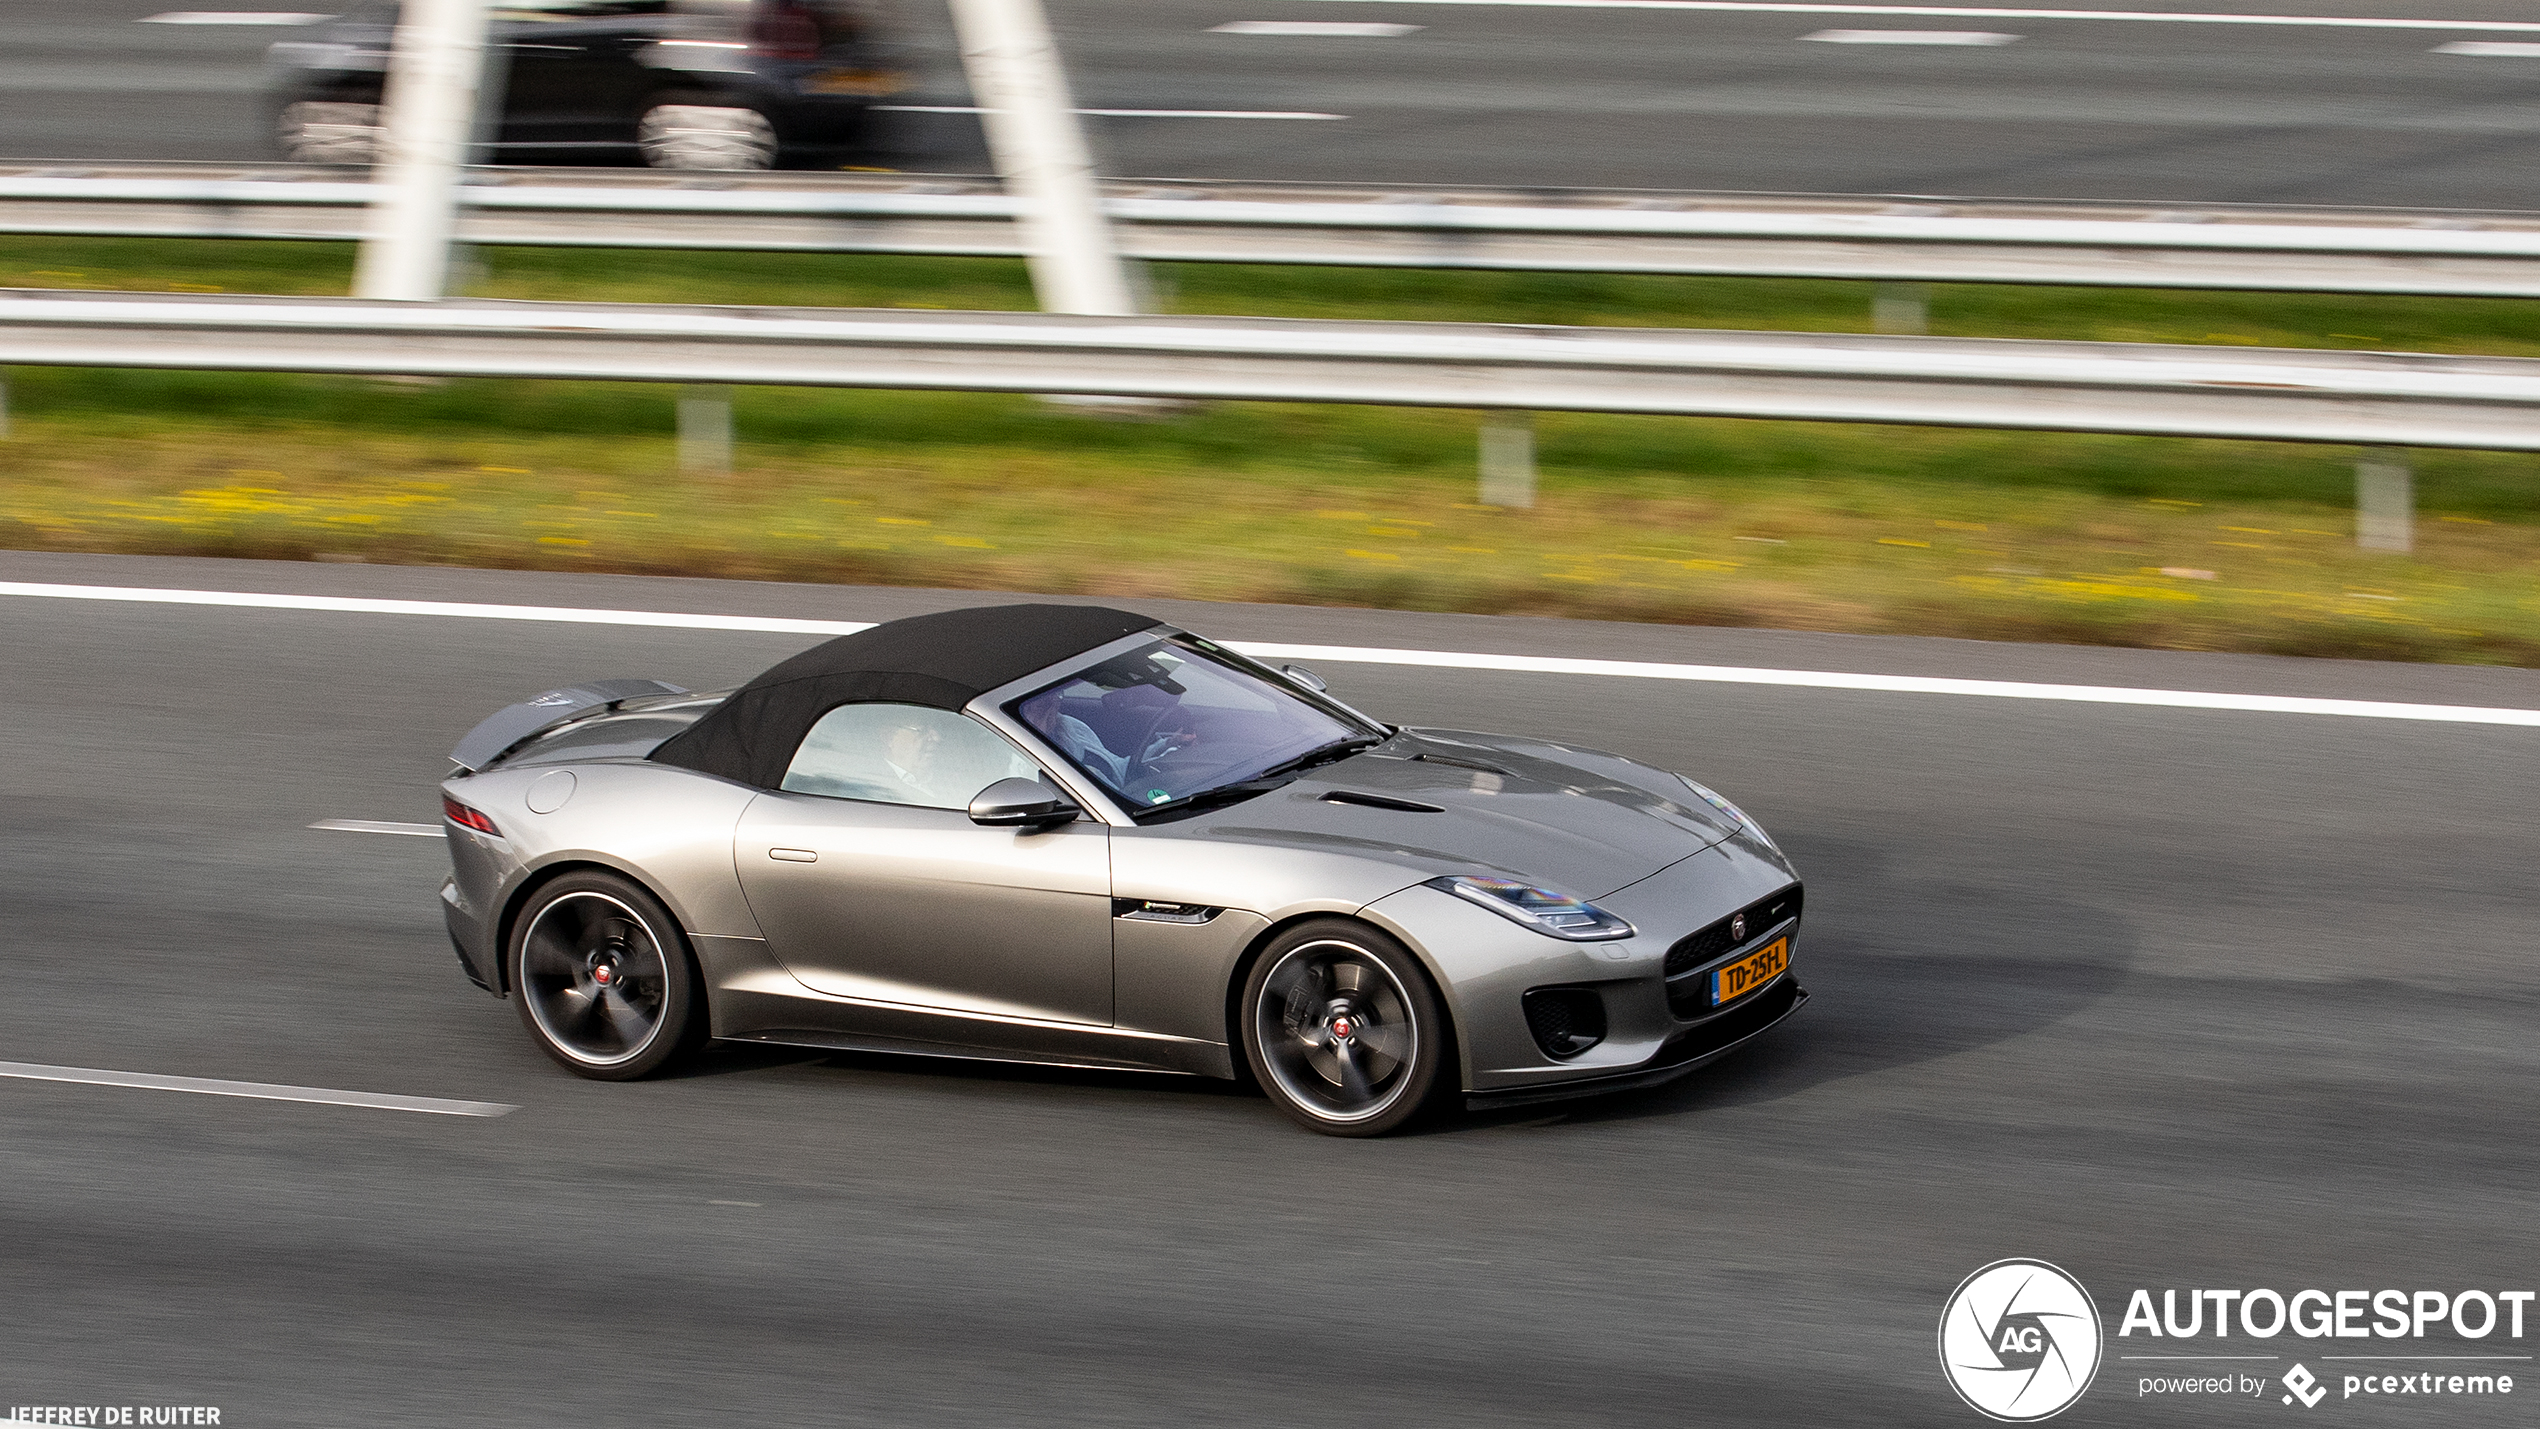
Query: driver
{"x": 1074, "y": 738}
{"x": 910, "y": 756}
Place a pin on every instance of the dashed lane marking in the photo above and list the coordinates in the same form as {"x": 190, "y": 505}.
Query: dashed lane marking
{"x": 234, "y": 17}
{"x": 1333, "y": 29}
{"x": 378, "y": 826}
{"x": 1139, "y": 113}
{"x": 262, "y": 1091}
{"x": 1911, "y": 37}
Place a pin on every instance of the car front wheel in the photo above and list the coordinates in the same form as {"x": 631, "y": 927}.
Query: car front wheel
{"x": 1343, "y": 1030}
{"x": 706, "y": 136}
{"x": 604, "y": 978}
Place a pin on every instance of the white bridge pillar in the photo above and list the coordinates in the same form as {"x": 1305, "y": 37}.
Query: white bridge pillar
{"x": 426, "y": 128}
{"x": 1039, "y": 145}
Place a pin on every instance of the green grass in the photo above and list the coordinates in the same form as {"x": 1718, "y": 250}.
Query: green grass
{"x": 2500, "y": 326}
{"x": 1978, "y": 533}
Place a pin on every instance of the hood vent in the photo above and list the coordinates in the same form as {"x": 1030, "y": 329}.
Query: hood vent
{"x": 1380, "y": 801}
{"x": 1453, "y": 762}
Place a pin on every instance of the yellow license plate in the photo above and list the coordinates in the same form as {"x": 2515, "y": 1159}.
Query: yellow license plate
{"x": 1750, "y": 972}
{"x": 852, "y": 81}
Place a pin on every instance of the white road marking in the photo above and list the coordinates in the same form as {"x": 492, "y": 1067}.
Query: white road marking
{"x": 263, "y": 1091}
{"x": 379, "y": 826}
{"x": 1139, "y": 113}
{"x": 2157, "y": 17}
{"x": 1911, "y": 37}
{"x": 1360, "y": 655}
{"x": 233, "y": 17}
{"x": 1900, "y": 684}
{"x": 2503, "y": 49}
{"x": 452, "y": 609}
{"x": 1338, "y": 29}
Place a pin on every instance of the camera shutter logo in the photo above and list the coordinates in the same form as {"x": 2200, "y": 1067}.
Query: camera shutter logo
{"x": 2019, "y": 1340}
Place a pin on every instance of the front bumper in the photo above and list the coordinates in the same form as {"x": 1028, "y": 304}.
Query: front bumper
{"x": 1485, "y": 965}
{"x": 1696, "y": 1047}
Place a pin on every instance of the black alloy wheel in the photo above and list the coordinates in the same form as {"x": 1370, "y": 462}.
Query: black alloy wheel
{"x": 1343, "y": 1030}
{"x": 604, "y": 978}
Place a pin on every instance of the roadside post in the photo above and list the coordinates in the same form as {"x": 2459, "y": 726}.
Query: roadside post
{"x": 1508, "y": 459}
{"x": 2385, "y": 502}
{"x": 705, "y": 431}
{"x": 1901, "y": 308}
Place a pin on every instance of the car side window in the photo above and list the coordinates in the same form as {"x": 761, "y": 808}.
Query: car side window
{"x": 903, "y": 754}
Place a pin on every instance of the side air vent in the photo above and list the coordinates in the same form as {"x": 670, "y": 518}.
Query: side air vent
{"x": 1565, "y": 1020}
{"x": 1380, "y": 801}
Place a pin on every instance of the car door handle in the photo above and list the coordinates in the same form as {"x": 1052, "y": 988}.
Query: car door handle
{"x": 793, "y": 855}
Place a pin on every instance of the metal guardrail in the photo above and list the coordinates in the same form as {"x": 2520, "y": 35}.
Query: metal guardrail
{"x": 2377, "y": 399}
{"x": 2245, "y": 247}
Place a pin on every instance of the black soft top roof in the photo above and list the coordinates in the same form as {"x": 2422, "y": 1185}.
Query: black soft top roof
{"x": 944, "y": 660}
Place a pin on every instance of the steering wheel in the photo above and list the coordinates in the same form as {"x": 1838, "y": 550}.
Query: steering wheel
{"x": 1140, "y": 763}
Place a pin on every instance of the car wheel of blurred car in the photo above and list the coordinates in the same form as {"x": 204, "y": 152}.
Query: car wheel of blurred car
{"x": 315, "y": 131}
{"x": 701, "y": 136}
{"x": 1343, "y": 1030}
{"x": 604, "y": 978}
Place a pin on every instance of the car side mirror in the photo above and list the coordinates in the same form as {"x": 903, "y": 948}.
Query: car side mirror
{"x": 1021, "y": 803}
{"x": 1305, "y": 677}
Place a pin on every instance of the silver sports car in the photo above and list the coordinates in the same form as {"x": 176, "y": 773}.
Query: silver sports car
{"x": 1073, "y": 835}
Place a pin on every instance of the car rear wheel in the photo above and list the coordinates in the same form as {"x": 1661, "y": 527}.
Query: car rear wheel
{"x": 706, "y": 136}
{"x": 604, "y": 978}
{"x": 318, "y": 131}
{"x": 1343, "y": 1030}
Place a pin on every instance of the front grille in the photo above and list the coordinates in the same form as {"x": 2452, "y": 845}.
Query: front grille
{"x": 1565, "y": 1020}
{"x": 1692, "y": 996}
{"x": 1695, "y": 949}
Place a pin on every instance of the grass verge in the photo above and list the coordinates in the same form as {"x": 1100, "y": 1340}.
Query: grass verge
{"x": 2131, "y": 541}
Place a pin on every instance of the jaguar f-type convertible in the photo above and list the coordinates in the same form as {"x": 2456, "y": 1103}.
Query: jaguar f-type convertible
{"x": 1072, "y": 835}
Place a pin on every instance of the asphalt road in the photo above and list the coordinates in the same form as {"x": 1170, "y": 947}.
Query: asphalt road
{"x": 2171, "y": 998}
{"x": 1481, "y": 94}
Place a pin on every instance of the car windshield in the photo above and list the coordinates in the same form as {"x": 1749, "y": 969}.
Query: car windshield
{"x": 1175, "y": 718}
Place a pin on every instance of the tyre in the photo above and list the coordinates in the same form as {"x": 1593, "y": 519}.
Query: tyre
{"x": 604, "y": 978}
{"x": 705, "y": 136}
{"x": 1344, "y": 1032}
{"x": 315, "y": 131}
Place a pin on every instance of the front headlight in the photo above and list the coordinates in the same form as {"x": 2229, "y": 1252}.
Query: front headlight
{"x": 1734, "y": 812}
{"x": 1546, "y": 910}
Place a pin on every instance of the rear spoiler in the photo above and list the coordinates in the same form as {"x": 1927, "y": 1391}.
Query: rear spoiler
{"x": 494, "y": 738}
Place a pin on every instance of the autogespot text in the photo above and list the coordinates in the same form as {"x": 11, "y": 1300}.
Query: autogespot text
{"x": 2329, "y": 1314}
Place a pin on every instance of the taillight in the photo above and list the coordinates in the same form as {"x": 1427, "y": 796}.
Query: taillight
{"x": 467, "y": 818}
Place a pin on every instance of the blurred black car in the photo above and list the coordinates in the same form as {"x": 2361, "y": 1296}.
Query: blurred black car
{"x": 685, "y": 84}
